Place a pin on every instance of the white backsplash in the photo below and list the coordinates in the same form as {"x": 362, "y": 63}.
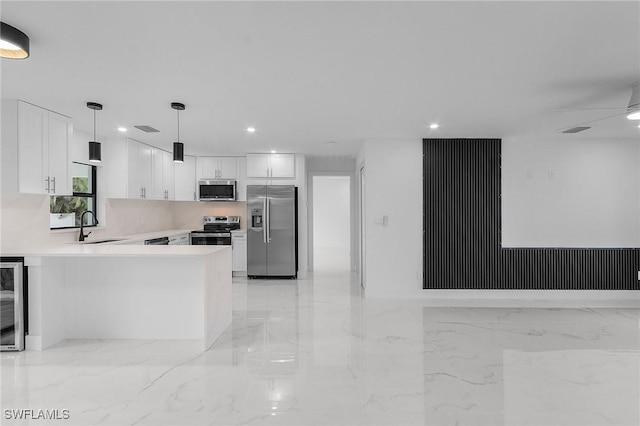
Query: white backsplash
{"x": 25, "y": 221}
{"x": 188, "y": 214}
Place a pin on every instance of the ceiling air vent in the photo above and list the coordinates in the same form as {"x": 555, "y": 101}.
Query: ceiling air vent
{"x": 576, "y": 129}
{"x": 147, "y": 129}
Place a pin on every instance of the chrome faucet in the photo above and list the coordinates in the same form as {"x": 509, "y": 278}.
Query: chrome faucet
{"x": 82, "y": 235}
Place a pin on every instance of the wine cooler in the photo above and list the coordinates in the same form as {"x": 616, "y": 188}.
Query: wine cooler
{"x": 12, "y": 297}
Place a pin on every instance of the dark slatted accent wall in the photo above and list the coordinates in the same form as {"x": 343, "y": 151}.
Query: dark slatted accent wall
{"x": 462, "y": 232}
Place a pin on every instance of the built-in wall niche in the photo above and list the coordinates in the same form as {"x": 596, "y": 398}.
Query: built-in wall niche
{"x": 462, "y": 232}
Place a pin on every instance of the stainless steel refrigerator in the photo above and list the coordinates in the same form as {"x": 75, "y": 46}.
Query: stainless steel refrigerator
{"x": 272, "y": 234}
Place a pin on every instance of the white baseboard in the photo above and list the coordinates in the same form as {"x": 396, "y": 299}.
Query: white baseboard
{"x": 534, "y": 298}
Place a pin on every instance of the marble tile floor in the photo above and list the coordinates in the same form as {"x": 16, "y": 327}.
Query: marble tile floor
{"x": 315, "y": 352}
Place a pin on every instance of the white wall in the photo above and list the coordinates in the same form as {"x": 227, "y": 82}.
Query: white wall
{"x": 394, "y": 253}
{"x": 570, "y": 192}
{"x": 393, "y": 189}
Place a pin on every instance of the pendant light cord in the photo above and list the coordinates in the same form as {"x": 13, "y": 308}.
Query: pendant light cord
{"x": 178, "y": 112}
{"x": 94, "y": 124}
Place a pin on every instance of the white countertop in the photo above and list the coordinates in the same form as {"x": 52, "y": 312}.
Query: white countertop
{"x": 148, "y": 235}
{"x": 123, "y": 246}
{"x": 117, "y": 250}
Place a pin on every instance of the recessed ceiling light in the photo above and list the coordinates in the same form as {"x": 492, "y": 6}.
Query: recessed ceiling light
{"x": 122, "y": 129}
{"x": 251, "y": 129}
{"x": 273, "y": 151}
{"x": 634, "y": 116}
{"x": 434, "y": 126}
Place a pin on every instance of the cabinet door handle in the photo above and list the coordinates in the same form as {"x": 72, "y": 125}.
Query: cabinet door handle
{"x": 54, "y": 185}
{"x": 48, "y": 185}
{"x": 141, "y": 193}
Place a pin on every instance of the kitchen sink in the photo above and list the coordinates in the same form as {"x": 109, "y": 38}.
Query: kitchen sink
{"x": 108, "y": 240}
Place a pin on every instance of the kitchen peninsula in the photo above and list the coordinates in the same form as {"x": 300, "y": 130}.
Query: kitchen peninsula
{"x": 114, "y": 291}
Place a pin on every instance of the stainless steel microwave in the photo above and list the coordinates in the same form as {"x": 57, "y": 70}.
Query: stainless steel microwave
{"x": 217, "y": 190}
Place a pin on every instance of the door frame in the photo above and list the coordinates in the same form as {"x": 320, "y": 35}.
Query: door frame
{"x": 362, "y": 228}
{"x": 352, "y": 215}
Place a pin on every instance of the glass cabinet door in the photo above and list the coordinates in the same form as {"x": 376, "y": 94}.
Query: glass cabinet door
{"x": 11, "y": 314}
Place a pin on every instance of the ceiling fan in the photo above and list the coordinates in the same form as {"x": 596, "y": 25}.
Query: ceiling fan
{"x": 632, "y": 111}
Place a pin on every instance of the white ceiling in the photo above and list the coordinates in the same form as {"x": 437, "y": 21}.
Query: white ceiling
{"x": 308, "y": 73}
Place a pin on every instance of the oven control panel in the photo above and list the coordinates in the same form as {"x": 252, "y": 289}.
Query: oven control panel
{"x": 229, "y": 220}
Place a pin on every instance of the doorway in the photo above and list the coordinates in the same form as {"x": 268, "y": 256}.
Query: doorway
{"x": 331, "y": 223}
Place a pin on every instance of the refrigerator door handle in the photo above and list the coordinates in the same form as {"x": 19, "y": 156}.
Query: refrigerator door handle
{"x": 268, "y": 224}
{"x": 265, "y": 220}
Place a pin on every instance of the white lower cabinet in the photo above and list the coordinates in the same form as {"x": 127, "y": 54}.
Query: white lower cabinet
{"x": 239, "y": 251}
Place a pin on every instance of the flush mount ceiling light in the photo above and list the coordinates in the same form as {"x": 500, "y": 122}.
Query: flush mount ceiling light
{"x": 14, "y": 44}
{"x": 434, "y": 126}
{"x": 633, "y": 109}
{"x": 122, "y": 129}
{"x": 251, "y": 129}
{"x": 95, "y": 154}
{"x": 178, "y": 147}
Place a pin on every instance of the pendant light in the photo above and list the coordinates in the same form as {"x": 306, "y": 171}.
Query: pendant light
{"x": 178, "y": 147}
{"x": 95, "y": 154}
{"x": 14, "y": 44}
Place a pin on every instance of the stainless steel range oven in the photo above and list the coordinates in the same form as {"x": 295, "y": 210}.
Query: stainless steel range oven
{"x": 216, "y": 232}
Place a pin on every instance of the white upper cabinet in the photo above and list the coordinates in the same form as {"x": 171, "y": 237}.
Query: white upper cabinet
{"x": 60, "y": 134}
{"x": 162, "y": 174}
{"x": 241, "y": 182}
{"x": 140, "y": 170}
{"x": 185, "y": 179}
{"x": 271, "y": 165}
{"x": 41, "y": 149}
{"x": 217, "y": 168}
